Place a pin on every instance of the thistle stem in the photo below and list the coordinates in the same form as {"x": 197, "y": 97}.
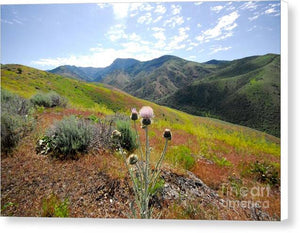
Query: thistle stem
{"x": 135, "y": 188}
{"x": 146, "y": 200}
{"x": 158, "y": 165}
{"x": 143, "y": 168}
{"x": 138, "y": 141}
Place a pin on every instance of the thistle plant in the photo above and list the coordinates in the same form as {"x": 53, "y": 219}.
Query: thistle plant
{"x": 143, "y": 177}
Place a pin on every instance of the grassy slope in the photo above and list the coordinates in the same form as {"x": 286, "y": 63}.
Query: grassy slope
{"x": 245, "y": 92}
{"x": 207, "y": 138}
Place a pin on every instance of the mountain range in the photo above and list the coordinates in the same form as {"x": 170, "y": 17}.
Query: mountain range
{"x": 244, "y": 91}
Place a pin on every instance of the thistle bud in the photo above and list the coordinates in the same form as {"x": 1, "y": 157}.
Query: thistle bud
{"x": 168, "y": 134}
{"x": 134, "y": 114}
{"x": 116, "y": 134}
{"x": 133, "y": 159}
{"x": 146, "y": 121}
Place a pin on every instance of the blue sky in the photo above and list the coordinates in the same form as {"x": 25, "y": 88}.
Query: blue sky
{"x": 45, "y": 36}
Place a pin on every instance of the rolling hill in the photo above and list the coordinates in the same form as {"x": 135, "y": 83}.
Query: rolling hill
{"x": 223, "y": 153}
{"x": 244, "y": 91}
{"x": 150, "y": 80}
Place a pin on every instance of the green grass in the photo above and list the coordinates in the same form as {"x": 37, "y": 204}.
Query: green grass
{"x": 98, "y": 98}
{"x": 180, "y": 156}
{"x": 54, "y": 207}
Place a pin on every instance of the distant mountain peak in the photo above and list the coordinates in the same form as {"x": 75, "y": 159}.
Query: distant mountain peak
{"x": 124, "y": 60}
{"x": 216, "y": 62}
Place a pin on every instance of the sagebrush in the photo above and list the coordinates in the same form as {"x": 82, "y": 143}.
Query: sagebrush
{"x": 17, "y": 120}
{"x": 48, "y": 100}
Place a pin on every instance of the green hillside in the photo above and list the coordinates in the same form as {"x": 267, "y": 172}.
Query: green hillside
{"x": 245, "y": 92}
{"x": 27, "y": 81}
{"x": 215, "y": 151}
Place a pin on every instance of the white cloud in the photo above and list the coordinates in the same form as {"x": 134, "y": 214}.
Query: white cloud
{"x": 253, "y": 17}
{"x": 101, "y": 57}
{"x": 199, "y": 25}
{"x": 217, "y": 9}
{"x": 160, "y": 9}
{"x": 273, "y": 10}
{"x": 120, "y": 10}
{"x": 158, "y": 29}
{"x": 192, "y": 57}
{"x": 146, "y": 7}
{"x": 249, "y": 6}
{"x": 159, "y": 36}
{"x": 193, "y": 44}
{"x": 161, "y": 45}
{"x": 175, "y": 9}
{"x": 176, "y": 41}
{"x": 146, "y": 18}
{"x": 13, "y": 21}
{"x": 157, "y": 19}
{"x": 6, "y": 21}
{"x": 270, "y": 11}
{"x": 230, "y": 8}
{"x": 135, "y": 6}
{"x": 198, "y": 3}
{"x": 222, "y": 30}
{"x": 103, "y": 5}
{"x": 174, "y": 21}
{"x": 274, "y": 5}
{"x": 116, "y": 32}
{"x": 17, "y": 21}
{"x": 218, "y": 49}
{"x": 134, "y": 37}
{"x": 226, "y": 35}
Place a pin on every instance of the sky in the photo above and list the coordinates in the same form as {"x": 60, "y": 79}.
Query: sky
{"x": 45, "y": 36}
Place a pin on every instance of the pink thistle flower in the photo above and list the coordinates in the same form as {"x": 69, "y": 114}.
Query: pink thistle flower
{"x": 146, "y": 112}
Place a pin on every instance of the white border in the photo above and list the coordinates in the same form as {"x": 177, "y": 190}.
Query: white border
{"x": 93, "y": 225}
{"x": 284, "y": 111}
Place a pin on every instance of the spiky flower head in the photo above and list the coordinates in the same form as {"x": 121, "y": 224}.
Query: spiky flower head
{"x": 168, "y": 134}
{"x": 116, "y": 134}
{"x": 134, "y": 114}
{"x": 147, "y": 114}
{"x": 132, "y": 159}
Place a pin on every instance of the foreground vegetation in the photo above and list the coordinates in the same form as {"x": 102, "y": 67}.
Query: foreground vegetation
{"x": 217, "y": 152}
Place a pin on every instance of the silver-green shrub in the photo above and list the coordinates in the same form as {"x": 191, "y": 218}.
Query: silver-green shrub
{"x": 16, "y": 120}
{"x": 48, "y": 100}
{"x": 41, "y": 99}
{"x": 127, "y": 140}
{"x": 69, "y": 137}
